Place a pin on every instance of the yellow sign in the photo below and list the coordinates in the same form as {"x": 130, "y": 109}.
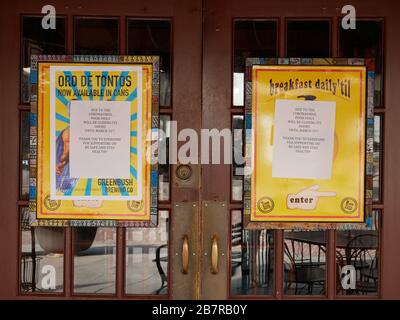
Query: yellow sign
{"x": 308, "y": 143}
{"x": 92, "y": 122}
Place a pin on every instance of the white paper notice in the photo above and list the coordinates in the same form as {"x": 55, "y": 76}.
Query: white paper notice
{"x": 303, "y": 139}
{"x": 99, "y": 139}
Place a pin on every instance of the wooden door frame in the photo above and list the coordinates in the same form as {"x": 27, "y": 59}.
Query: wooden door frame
{"x": 185, "y": 20}
{"x": 204, "y": 49}
{"x": 217, "y": 96}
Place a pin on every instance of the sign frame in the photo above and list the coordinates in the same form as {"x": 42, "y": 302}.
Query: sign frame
{"x": 143, "y": 215}
{"x": 368, "y": 144}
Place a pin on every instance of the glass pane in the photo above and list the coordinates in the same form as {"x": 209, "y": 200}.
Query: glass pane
{"x": 36, "y": 40}
{"x": 308, "y": 39}
{"x": 365, "y": 42}
{"x": 238, "y": 158}
{"x": 357, "y": 260}
{"x": 164, "y": 168}
{"x": 252, "y": 38}
{"x": 42, "y": 256}
{"x": 96, "y": 36}
{"x": 94, "y": 259}
{"x": 252, "y": 259}
{"x": 147, "y": 258}
{"x": 304, "y": 263}
{"x": 153, "y": 37}
{"x": 377, "y": 159}
{"x": 24, "y": 155}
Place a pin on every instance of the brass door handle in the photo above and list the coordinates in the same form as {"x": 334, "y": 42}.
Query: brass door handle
{"x": 214, "y": 254}
{"x": 185, "y": 254}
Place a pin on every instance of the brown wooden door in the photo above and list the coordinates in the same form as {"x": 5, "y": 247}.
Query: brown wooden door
{"x": 258, "y": 264}
{"x": 209, "y": 40}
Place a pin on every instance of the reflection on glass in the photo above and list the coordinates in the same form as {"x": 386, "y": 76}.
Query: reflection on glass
{"x": 252, "y": 38}
{"x": 94, "y": 259}
{"x": 376, "y": 195}
{"x": 147, "y": 258}
{"x": 163, "y": 168}
{"x": 153, "y": 37}
{"x": 36, "y": 40}
{"x": 365, "y": 42}
{"x": 308, "y": 39}
{"x": 252, "y": 259}
{"x": 24, "y": 155}
{"x": 42, "y": 256}
{"x": 238, "y": 89}
{"x": 238, "y": 157}
{"x": 357, "y": 260}
{"x": 304, "y": 263}
{"x": 96, "y": 36}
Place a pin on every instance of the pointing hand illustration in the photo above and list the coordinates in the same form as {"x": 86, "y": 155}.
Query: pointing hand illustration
{"x": 307, "y": 199}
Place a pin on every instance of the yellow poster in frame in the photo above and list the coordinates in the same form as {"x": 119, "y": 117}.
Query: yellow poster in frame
{"x": 308, "y": 143}
{"x": 92, "y": 122}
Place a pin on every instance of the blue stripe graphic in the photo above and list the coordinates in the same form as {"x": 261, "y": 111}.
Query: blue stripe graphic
{"x": 61, "y": 98}
{"x": 88, "y": 189}
{"x": 122, "y": 188}
{"x": 103, "y": 74}
{"x": 123, "y": 74}
{"x": 133, "y": 172}
{"x": 132, "y": 96}
{"x": 87, "y": 74}
{"x": 62, "y": 118}
{"x": 69, "y": 74}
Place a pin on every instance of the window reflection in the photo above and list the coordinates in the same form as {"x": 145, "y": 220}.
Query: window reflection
{"x": 238, "y": 157}
{"x": 164, "y": 169}
{"x": 308, "y": 39}
{"x": 366, "y": 41}
{"x": 42, "y": 256}
{"x": 36, "y": 40}
{"x": 97, "y": 36}
{"x": 24, "y": 155}
{"x": 94, "y": 259}
{"x": 357, "y": 260}
{"x": 153, "y": 37}
{"x": 252, "y": 259}
{"x": 377, "y": 158}
{"x": 147, "y": 258}
{"x": 304, "y": 263}
{"x": 252, "y": 38}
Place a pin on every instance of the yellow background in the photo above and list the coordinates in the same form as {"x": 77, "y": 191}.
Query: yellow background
{"x": 110, "y": 209}
{"x": 347, "y": 164}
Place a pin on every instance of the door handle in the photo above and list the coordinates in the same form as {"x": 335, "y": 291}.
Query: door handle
{"x": 185, "y": 254}
{"x": 214, "y": 254}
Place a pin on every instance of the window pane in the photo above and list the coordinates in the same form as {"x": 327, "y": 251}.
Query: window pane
{"x": 42, "y": 256}
{"x": 357, "y": 260}
{"x": 252, "y": 38}
{"x": 377, "y": 158}
{"x": 164, "y": 169}
{"x": 24, "y": 155}
{"x": 96, "y": 36}
{"x": 238, "y": 158}
{"x": 365, "y": 42}
{"x": 147, "y": 258}
{"x": 36, "y": 40}
{"x": 308, "y": 39}
{"x": 252, "y": 259}
{"x": 153, "y": 37}
{"x": 94, "y": 259}
{"x": 304, "y": 263}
